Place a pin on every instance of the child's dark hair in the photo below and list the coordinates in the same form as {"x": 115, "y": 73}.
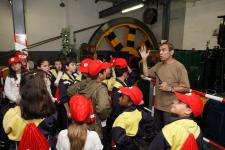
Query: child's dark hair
{"x": 40, "y": 61}
{"x": 120, "y": 72}
{"x": 57, "y": 59}
{"x": 68, "y": 60}
{"x": 35, "y": 100}
{"x": 96, "y": 76}
{"x": 12, "y": 73}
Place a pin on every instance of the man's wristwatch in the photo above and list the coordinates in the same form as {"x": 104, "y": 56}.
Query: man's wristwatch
{"x": 171, "y": 89}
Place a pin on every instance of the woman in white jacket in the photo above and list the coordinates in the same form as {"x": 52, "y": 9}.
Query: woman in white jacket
{"x": 12, "y": 81}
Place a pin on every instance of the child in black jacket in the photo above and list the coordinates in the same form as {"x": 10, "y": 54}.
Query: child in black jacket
{"x": 132, "y": 126}
{"x": 183, "y": 133}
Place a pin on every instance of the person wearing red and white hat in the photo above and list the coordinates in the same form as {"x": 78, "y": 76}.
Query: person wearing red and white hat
{"x": 132, "y": 125}
{"x": 84, "y": 67}
{"x": 78, "y": 136}
{"x": 122, "y": 73}
{"x": 12, "y": 82}
{"x": 97, "y": 91}
{"x": 183, "y": 133}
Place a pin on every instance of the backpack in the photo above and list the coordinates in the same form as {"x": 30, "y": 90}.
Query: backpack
{"x": 33, "y": 139}
{"x": 81, "y": 109}
{"x": 190, "y": 143}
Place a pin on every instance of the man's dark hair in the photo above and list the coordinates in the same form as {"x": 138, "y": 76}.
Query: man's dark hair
{"x": 170, "y": 45}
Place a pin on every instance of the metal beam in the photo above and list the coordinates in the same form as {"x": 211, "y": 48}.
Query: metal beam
{"x": 166, "y": 20}
{"x": 19, "y": 24}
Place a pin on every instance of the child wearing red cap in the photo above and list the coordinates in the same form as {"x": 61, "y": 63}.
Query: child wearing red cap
{"x": 122, "y": 72}
{"x": 12, "y": 81}
{"x": 183, "y": 133}
{"x": 94, "y": 89}
{"x": 77, "y": 136}
{"x": 84, "y": 67}
{"x": 132, "y": 125}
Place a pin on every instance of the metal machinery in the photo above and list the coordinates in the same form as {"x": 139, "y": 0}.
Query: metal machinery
{"x": 123, "y": 35}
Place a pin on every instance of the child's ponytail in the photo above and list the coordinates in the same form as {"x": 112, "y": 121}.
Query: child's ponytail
{"x": 77, "y": 134}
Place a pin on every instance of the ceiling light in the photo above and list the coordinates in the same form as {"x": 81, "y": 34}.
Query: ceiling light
{"x": 133, "y": 8}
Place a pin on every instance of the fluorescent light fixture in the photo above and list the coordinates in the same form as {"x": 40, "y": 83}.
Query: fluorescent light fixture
{"x": 133, "y": 8}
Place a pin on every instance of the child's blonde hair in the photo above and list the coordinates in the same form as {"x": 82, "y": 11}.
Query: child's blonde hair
{"x": 77, "y": 134}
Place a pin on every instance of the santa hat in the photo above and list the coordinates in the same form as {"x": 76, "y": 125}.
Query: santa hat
{"x": 22, "y": 55}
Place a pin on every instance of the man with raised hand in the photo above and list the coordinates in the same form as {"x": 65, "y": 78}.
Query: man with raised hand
{"x": 171, "y": 76}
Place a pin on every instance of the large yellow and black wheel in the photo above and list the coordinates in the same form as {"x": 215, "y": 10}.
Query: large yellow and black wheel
{"x": 123, "y": 35}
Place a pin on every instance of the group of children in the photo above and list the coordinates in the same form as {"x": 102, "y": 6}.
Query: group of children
{"x": 93, "y": 106}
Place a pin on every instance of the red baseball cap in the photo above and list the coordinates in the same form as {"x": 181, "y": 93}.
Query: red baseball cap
{"x": 112, "y": 60}
{"x": 193, "y": 101}
{"x": 14, "y": 60}
{"x": 84, "y": 65}
{"x": 81, "y": 109}
{"x": 134, "y": 93}
{"x": 96, "y": 66}
{"x": 120, "y": 63}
